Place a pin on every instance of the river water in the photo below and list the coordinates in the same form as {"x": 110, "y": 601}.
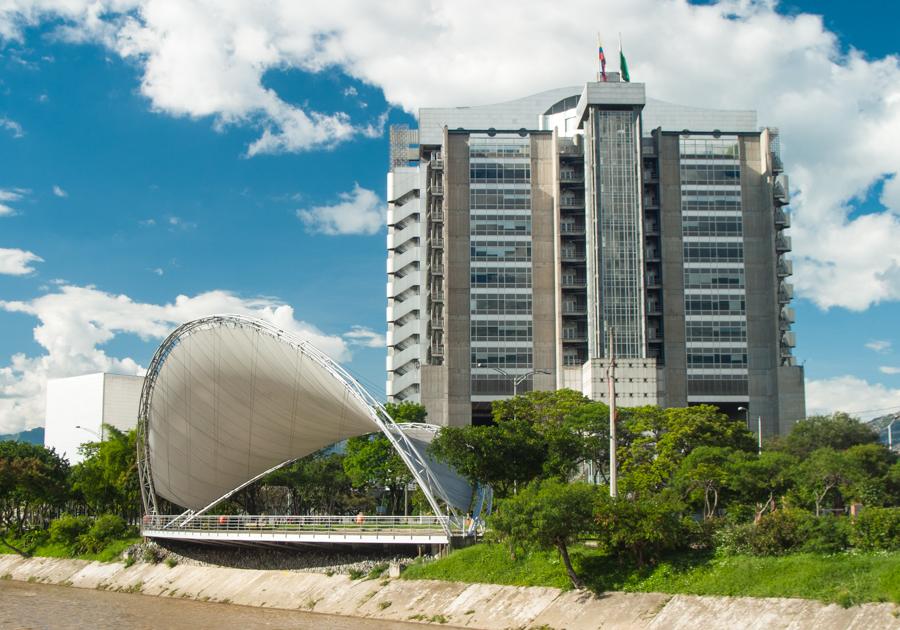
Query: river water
{"x": 33, "y": 606}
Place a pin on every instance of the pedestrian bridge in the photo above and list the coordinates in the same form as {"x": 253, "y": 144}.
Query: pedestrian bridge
{"x": 228, "y": 400}
{"x": 393, "y": 530}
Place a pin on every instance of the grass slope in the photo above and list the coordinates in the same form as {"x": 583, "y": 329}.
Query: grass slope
{"x": 846, "y": 579}
{"x": 110, "y": 553}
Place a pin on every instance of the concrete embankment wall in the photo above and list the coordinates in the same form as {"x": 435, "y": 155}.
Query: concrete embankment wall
{"x": 472, "y": 605}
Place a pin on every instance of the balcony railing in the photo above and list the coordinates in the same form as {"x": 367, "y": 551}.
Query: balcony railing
{"x": 570, "y": 177}
{"x": 571, "y": 228}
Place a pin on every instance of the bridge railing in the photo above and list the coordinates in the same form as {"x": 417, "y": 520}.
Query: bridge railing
{"x": 305, "y": 524}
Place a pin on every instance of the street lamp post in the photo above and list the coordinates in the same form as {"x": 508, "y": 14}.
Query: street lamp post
{"x": 758, "y": 428}
{"x": 99, "y": 435}
{"x": 516, "y": 379}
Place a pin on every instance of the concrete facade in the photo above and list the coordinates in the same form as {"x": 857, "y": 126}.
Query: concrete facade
{"x": 78, "y": 407}
{"x": 611, "y": 246}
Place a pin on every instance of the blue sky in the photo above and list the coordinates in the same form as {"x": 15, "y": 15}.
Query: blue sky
{"x": 127, "y": 180}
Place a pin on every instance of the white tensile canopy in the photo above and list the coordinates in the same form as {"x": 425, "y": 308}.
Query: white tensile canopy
{"x": 229, "y": 398}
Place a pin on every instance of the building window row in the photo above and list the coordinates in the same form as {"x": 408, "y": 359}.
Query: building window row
{"x": 720, "y": 357}
{"x": 500, "y": 198}
{"x": 498, "y": 172}
{"x": 713, "y": 252}
{"x": 500, "y": 304}
{"x": 712, "y": 225}
{"x": 716, "y": 331}
{"x": 513, "y": 330}
{"x": 710, "y": 175}
{"x": 713, "y": 278}
{"x": 499, "y": 150}
{"x": 724, "y": 385}
{"x": 500, "y": 225}
{"x": 502, "y": 357}
{"x": 511, "y": 277}
{"x": 499, "y": 250}
{"x": 713, "y": 305}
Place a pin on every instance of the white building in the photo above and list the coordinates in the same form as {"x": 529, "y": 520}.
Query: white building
{"x": 79, "y": 406}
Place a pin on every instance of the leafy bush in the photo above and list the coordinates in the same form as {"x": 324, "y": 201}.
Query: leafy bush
{"x": 877, "y": 529}
{"x": 67, "y": 529}
{"x": 641, "y": 528}
{"x": 104, "y": 530}
{"x": 733, "y": 539}
{"x": 825, "y": 534}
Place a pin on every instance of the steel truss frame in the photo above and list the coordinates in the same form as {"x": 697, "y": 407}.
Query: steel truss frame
{"x": 428, "y": 482}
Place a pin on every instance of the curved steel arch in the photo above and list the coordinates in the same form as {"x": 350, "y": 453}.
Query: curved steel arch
{"x": 413, "y": 458}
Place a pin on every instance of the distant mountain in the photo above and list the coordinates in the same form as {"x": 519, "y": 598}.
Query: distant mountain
{"x": 35, "y": 436}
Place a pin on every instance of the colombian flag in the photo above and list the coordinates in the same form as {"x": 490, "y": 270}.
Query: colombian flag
{"x": 602, "y": 59}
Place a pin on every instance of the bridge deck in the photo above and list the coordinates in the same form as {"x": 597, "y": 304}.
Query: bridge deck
{"x": 414, "y": 530}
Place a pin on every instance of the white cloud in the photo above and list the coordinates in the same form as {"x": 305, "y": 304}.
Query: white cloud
{"x": 365, "y": 337}
{"x": 881, "y": 346}
{"x": 360, "y": 211}
{"x": 59, "y": 192}
{"x": 75, "y": 322}
{"x": 888, "y": 369}
{"x": 350, "y": 91}
{"x": 851, "y": 394}
{"x": 7, "y": 196}
{"x": 12, "y": 127}
{"x": 17, "y": 262}
{"x": 839, "y": 110}
{"x": 158, "y": 271}
{"x": 177, "y": 224}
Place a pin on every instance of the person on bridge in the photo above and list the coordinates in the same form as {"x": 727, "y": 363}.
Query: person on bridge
{"x": 360, "y": 518}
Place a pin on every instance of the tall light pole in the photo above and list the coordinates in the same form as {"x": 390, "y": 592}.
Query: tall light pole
{"x": 99, "y": 435}
{"x": 611, "y": 381}
{"x": 516, "y": 379}
{"x": 758, "y": 428}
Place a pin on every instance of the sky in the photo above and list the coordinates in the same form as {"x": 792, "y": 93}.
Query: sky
{"x": 161, "y": 161}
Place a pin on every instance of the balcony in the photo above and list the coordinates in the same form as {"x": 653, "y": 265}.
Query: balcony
{"x": 652, "y": 254}
{"x": 575, "y": 337}
{"x": 785, "y": 268}
{"x": 437, "y": 296}
{"x": 571, "y": 202}
{"x": 573, "y": 310}
{"x": 785, "y": 293}
{"x": 436, "y": 188}
{"x": 437, "y": 162}
{"x": 653, "y": 281}
{"x": 437, "y": 350}
{"x": 437, "y": 322}
{"x": 572, "y": 255}
{"x": 653, "y": 308}
{"x": 651, "y": 228}
{"x": 650, "y": 176}
{"x": 648, "y": 149}
{"x": 436, "y": 216}
{"x": 569, "y": 149}
{"x": 573, "y": 282}
{"x": 781, "y": 190}
{"x": 571, "y": 177}
{"x": 650, "y": 201}
{"x": 782, "y": 243}
{"x": 777, "y": 164}
{"x": 571, "y": 229}
{"x": 782, "y": 219}
{"x": 788, "y": 339}
{"x": 437, "y": 270}
{"x": 787, "y": 314}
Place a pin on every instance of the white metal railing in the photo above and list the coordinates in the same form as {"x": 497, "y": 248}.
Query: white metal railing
{"x": 359, "y": 524}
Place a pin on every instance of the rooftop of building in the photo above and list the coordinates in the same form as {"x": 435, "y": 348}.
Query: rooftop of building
{"x": 546, "y": 110}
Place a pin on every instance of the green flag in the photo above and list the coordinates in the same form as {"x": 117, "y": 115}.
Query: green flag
{"x": 623, "y": 67}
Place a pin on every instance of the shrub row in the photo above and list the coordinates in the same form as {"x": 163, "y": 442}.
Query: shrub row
{"x": 82, "y": 534}
{"x": 791, "y": 530}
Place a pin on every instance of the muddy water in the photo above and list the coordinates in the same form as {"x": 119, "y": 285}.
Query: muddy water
{"x": 34, "y": 606}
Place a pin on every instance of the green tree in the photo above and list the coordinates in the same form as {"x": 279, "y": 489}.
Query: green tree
{"x": 372, "y": 465}
{"x": 547, "y": 514}
{"x": 838, "y": 431}
{"x": 106, "y": 480}
{"x": 758, "y": 481}
{"x": 318, "y": 484}
{"x": 406, "y": 411}
{"x": 704, "y": 474}
{"x": 33, "y": 484}
{"x": 873, "y": 465}
{"x": 505, "y": 455}
{"x": 655, "y": 442}
{"x": 825, "y": 474}
{"x": 643, "y": 528}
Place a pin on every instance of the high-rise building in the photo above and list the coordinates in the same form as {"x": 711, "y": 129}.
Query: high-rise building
{"x": 530, "y": 242}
